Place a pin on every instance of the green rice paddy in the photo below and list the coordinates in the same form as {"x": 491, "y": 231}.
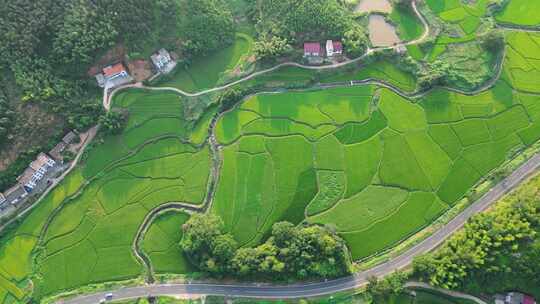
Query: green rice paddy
{"x": 121, "y": 180}
{"x": 373, "y": 164}
{"x": 521, "y": 12}
{"x": 161, "y": 244}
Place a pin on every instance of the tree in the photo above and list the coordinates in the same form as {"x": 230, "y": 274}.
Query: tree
{"x": 206, "y": 244}
{"x": 355, "y": 41}
{"x": 270, "y": 48}
{"x": 433, "y": 74}
{"x": 490, "y": 246}
{"x": 493, "y": 40}
{"x": 84, "y": 30}
{"x": 113, "y": 122}
{"x": 391, "y": 285}
{"x": 303, "y": 252}
{"x": 209, "y": 26}
{"x": 7, "y": 117}
{"x": 303, "y": 20}
{"x": 230, "y": 97}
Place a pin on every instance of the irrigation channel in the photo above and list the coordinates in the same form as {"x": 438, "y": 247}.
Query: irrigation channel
{"x": 311, "y": 289}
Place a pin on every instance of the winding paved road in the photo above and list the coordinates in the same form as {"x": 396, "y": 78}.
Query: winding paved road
{"x": 328, "y": 287}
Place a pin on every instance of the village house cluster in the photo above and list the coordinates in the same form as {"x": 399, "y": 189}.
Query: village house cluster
{"x": 116, "y": 74}
{"x": 35, "y": 177}
{"x": 315, "y": 53}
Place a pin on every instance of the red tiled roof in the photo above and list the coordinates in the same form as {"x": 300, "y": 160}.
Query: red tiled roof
{"x": 312, "y": 47}
{"x": 528, "y": 300}
{"x": 113, "y": 70}
{"x": 338, "y": 46}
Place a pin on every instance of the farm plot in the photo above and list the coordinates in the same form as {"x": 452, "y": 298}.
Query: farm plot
{"x": 409, "y": 26}
{"x": 94, "y": 231}
{"x": 466, "y": 17}
{"x": 206, "y": 72}
{"x": 520, "y": 12}
{"x": 161, "y": 244}
{"x": 377, "y": 176}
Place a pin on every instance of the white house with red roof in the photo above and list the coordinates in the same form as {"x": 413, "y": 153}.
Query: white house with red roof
{"x": 333, "y": 48}
{"x": 113, "y": 76}
{"x": 312, "y": 49}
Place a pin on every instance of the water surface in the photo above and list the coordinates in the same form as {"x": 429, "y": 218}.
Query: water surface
{"x": 382, "y": 33}
{"x": 368, "y": 6}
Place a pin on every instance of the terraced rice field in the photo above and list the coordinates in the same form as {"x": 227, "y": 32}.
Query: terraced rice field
{"x": 205, "y": 72}
{"x": 380, "y": 70}
{"x": 375, "y": 165}
{"x": 161, "y": 244}
{"x": 86, "y": 237}
{"x": 378, "y": 169}
{"x": 466, "y": 17}
{"x": 521, "y": 12}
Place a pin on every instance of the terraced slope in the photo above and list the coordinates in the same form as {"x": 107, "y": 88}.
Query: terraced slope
{"x": 86, "y": 237}
{"x": 377, "y": 168}
{"x": 375, "y": 165}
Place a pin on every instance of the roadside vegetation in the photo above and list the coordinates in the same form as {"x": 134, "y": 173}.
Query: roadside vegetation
{"x": 496, "y": 251}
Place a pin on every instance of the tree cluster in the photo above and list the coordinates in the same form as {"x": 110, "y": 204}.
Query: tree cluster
{"x": 382, "y": 289}
{"x": 113, "y": 122}
{"x": 75, "y": 32}
{"x": 271, "y": 47}
{"x": 208, "y": 26}
{"x": 302, "y": 252}
{"x": 491, "y": 253}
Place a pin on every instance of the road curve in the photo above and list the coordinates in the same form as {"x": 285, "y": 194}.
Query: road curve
{"x": 327, "y": 287}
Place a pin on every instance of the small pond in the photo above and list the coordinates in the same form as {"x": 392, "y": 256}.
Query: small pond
{"x": 382, "y": 33}
{"x": 368, "y": 6}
